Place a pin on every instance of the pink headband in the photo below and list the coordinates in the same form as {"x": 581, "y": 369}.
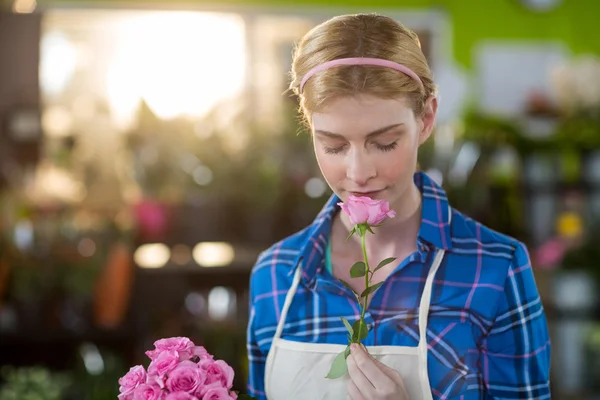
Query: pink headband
{"x": 360, "y": 61}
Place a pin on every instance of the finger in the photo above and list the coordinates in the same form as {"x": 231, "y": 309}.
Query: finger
{"x": 390, "y": 372}
{"x": 369, "y": 368}
{"x": 393, "y": 375}
{"x": 357, "y": 377}
{"x": 387, "y": 370}
{"x": 353, "y": 391}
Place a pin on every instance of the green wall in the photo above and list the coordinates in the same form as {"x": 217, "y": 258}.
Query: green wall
{"x": 575, "y": 21}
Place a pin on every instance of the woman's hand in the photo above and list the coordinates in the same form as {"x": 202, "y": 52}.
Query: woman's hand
{"x": 372, "y": 380}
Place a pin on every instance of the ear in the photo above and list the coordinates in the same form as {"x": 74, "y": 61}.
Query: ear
{"x": 428, "y": 119}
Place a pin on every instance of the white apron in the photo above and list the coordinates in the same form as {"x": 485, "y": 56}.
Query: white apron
{"x": 296, "y": 370}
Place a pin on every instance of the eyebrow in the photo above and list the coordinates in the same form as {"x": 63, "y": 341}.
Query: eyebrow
{"x": 370, "y": 135}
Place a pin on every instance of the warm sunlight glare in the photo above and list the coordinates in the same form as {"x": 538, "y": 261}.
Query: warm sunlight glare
{"x": 58, "y": 62}
{"x": 180, "y": 63}
{"x": 24, "y": 6}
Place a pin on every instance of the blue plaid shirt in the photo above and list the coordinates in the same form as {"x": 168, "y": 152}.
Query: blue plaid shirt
{"x": 487, "y": 332}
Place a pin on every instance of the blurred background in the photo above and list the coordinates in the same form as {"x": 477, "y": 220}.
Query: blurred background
{"x": 148, "y": 154}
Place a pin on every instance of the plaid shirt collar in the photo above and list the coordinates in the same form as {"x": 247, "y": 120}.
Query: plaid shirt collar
{"x": 434, "y": 230}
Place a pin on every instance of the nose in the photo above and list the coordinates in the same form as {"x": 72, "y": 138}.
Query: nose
{"x": 359, "y": 167}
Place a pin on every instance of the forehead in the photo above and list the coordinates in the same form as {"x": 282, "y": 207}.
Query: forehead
{"x": 360, "y": 114}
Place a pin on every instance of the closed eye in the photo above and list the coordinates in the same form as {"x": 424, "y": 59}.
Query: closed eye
{"x": 336, "y": 150}
{"x": 387, "y": 147}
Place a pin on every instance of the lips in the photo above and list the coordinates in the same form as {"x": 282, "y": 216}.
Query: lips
{"x": 365, "y": 194}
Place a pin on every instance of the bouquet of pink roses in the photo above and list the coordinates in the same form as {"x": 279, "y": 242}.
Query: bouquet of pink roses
{"x": 179, "y": 370}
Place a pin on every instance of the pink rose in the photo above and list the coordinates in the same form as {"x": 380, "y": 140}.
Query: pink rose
{"x": 181, "y": 396}
{"x": 218, "y": 372}
{"x": 187, "y": 377}
{"x": 182, "y": 345}
{"x": 132, "y": 379}
{"x": 233, "y": 395}
{"x": 164, "y": 363}
{"x": 147, "y": 392}
{"x": 157, "y": 380}
{"x": 362, "y": 209}
{"x": 217, "y": 393}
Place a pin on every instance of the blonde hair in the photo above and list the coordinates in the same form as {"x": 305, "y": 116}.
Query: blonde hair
{"x": 360, "y": 35}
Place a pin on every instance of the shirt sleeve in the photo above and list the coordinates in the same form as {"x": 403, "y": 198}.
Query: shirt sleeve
{"x": 516, "y": 353}
{"x": 256, "y": 357}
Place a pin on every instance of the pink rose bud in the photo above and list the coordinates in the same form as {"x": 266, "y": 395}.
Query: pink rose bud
{"x": 218, "y": 372}
{"x": 132, "y": 379}
{"x": 362, "y": 209}
{"x": 180, "y": 396}
{"x": 217, "y": 393}
{"x": 187, "y": 377}
{"x": 147, "y": 392}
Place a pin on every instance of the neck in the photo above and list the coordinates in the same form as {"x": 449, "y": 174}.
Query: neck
{"x": 398, "y": 232}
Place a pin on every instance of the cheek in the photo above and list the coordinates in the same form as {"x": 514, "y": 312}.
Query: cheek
{"x": 399, "y": 163}
{"x": 331, "y": 166}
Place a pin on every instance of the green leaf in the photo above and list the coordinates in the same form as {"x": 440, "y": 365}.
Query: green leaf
{"x": 352, "y": 232}
{"x": 370, "y": 289}
{"x": 370, "y": 230}
{"x": 358, "y": 270}
{"x": 347, "y": 352}
{"x": 348, "y": 286}
{"x": 339, "y": 366}
{"x": 385, "y": 262}
{"x": 244, "y": 396}
{"x": 360, "y": 327}
{"x": 348, "y": 326}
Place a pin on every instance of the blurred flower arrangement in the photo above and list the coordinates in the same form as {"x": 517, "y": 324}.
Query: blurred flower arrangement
{"x": 575, "y": 248}
{"x": 577, "y": 85}
{"x": 33, "y": 383}
{"x": 576, "y": 115}
{"x": 79, "y": 383}
{"x": 225, "y": 161}
{"x": 56, "y": 259}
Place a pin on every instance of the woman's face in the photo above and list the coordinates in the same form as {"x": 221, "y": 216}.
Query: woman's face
{"x": 368, "y": 146}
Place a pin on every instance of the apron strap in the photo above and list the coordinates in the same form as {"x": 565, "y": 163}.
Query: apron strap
{"x": 426, "y": 298}
{"x": 288, "y": 301}
{"x": 286, "y": 306}
{"x": 424, "y": 314}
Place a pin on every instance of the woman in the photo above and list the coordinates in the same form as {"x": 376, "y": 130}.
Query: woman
{"x": 459, "y": 317}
